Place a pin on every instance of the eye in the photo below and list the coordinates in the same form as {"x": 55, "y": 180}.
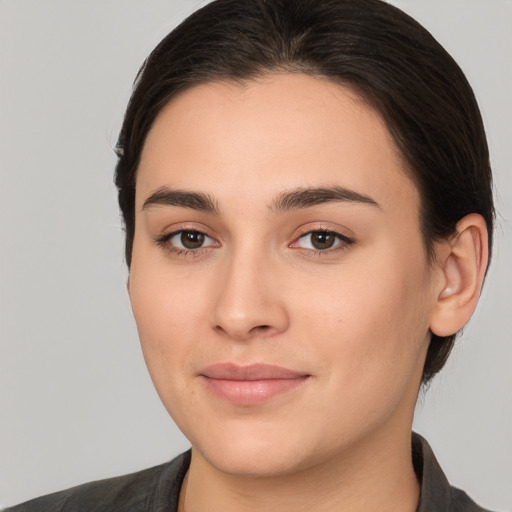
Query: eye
{"x": 322, "y": 241}
{"x": 189, "y": 239}
{"x": 186, "y": 240}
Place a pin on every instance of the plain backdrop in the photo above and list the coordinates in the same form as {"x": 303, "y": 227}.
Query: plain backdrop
{"x": 76, "y": 402}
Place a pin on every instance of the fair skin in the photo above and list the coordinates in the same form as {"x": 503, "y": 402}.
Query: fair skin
{"x": 294, "y": 241}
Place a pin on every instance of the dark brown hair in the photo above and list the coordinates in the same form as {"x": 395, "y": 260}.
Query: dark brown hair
{"x": 374, "y": 48}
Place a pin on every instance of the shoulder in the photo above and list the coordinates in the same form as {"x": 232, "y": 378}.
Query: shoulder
{"x": 461, "y": 502}
{"x": 152, "y": 489}
{"x": 436, "y": 491}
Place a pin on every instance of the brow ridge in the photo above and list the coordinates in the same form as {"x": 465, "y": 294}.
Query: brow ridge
{"x": 181, "y": 198}
{"x": 286, "y": 201}
{"x": 308, "y": 197}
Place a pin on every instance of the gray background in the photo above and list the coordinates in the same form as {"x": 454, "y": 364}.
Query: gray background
{"x": 76, "y": 402}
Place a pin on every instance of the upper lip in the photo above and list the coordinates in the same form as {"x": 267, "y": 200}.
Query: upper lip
{"x": 231, "y": 371}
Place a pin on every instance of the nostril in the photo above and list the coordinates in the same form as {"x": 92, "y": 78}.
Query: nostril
{"x": 260, "y": 328}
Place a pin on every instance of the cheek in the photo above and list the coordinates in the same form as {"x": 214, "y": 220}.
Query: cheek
{"x": 164, "y": 310}
{"x": 372, "y": 323}
{"x": 169, "y": 315}
{"x": 369, "y": 350}
{"x": 170, "y": 310}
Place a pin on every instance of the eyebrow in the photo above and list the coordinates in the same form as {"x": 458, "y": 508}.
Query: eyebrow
{"x": 182, "y": 198}
{"x": 290, "y": 200}
{"x": 308, "y": 197}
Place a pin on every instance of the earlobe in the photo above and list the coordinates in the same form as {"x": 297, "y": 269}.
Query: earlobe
{"x": 463, "y": 270}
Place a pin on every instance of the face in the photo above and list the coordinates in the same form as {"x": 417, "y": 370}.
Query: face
{"x": 279, "y": 279}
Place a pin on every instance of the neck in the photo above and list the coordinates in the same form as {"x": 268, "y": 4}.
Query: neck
{"x": 377, "y": 475}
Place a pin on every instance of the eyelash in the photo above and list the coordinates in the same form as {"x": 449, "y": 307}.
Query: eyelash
{"x": 164, "y": 242}
{"x": 342, "y": 242}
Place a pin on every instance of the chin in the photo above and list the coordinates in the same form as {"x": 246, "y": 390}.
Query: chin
{"x": 255, "y": 460}
{"x": 256, "y": 449}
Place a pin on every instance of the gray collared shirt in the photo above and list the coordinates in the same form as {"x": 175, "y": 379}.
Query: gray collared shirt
{"x": 157, "y": 489}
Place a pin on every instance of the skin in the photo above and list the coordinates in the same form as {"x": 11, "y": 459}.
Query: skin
{"x": 354, "y": 318}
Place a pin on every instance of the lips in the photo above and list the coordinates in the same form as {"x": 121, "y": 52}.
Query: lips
{"x": 250, "y": 385}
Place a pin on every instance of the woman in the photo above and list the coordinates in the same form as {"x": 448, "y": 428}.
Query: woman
{"x": 309, "y": 215}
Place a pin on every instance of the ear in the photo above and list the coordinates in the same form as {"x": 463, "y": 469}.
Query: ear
{"x": 463, "y": 265}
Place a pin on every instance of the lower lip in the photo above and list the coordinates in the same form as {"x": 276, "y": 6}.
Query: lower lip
{"x": 252, "y": 392}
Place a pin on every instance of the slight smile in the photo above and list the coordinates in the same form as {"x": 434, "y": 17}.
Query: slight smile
{"x": 252, "y": 384}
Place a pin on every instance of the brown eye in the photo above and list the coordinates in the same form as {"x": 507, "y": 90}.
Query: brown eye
{"x": 192, "y": 239}
{"x": 186, "y": 240}
{"x": 322, "y": 240}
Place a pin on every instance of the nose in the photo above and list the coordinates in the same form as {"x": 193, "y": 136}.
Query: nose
{"x": 250, "y": 301}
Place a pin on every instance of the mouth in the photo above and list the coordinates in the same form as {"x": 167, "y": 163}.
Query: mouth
{"x": 252, "y": 384}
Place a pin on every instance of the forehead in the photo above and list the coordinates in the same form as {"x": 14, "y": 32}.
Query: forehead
{"x": 280, "y": 131}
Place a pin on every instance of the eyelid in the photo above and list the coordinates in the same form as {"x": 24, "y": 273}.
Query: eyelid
{"x": 170, "y": 236}
{"x": 344, "y": 240}
{"x": 164, "y": 239}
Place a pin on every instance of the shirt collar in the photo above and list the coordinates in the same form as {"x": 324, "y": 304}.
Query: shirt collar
{"x": 435, "y": 488}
